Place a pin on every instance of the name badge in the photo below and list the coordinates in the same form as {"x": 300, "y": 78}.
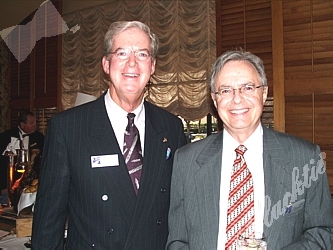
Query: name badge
{"x": 102, "y": 161}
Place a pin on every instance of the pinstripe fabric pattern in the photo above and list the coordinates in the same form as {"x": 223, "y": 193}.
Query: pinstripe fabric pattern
{"x": 240, "y": 218}
{"x": 100, "y": 203}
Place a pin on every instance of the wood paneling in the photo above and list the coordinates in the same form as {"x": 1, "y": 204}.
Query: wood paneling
{"x": 35, "y": 83}
{"x": 311, "y": 117}
{"x": 308, "y": 51}
{"x": 46, "y": 73}
{"x": 246, "y": 24}
{"x": 278, "y": 64}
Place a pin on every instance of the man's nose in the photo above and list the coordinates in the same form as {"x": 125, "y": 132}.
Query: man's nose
{"x": 132, "y": 59}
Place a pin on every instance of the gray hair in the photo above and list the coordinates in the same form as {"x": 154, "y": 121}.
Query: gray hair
{"x": 238, "y": 55}
{"x": 120, "y": 26}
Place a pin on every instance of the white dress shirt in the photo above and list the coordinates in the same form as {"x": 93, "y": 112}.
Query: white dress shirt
{"x": 254, "y": 160}
{"x": 24, "y": 139}
{"x": 118, "y": 120}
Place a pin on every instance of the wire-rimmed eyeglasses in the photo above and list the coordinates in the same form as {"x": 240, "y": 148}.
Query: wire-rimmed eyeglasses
{"x": 123, "y": 54}
{"x": 247, "y": 89}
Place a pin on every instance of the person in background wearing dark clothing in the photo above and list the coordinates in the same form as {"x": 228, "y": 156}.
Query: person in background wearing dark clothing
{"x": 24, "y": 136}
{"x": 88, "y": 173}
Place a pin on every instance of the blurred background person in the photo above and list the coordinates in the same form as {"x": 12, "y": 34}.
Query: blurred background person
{"x": 24, "y": 136}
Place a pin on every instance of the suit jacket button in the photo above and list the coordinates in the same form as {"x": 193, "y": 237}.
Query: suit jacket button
{"x": 163, "y": 190}
{"x": 110, "y": 231}
{"x": 105, "y": 197}
{"x": 158, "y": 222}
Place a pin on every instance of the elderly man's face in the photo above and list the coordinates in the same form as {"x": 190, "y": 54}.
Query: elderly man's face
{"x": 240, "y": 113}
{"x": 130, "y": 76}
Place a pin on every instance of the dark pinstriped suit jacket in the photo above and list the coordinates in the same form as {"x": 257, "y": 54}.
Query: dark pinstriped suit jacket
{"x": 104, "y": 212}
{"x": 194, "y": 209}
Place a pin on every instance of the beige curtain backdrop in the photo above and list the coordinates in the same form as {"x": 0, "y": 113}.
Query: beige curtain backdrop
{"x": 186, "y": 30}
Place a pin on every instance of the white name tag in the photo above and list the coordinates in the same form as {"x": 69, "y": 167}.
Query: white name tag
{"x": 102, "y": 161}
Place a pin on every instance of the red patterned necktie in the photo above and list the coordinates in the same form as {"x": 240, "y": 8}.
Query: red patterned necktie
{"x": 133, "y": 152}
{"x": 240, "y": 218}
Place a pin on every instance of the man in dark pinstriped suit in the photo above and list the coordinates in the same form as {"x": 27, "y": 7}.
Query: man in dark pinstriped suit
{"x": 84, "y": 175}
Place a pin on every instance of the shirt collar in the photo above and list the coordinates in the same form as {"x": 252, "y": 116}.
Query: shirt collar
{"x": 254, "y": 137}
{"x": 117, "y": 110}
{"x": 21, "y": 132}
{"x": 250, "y": 143}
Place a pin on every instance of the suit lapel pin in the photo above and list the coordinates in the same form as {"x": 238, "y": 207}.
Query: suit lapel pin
{"x": 168, "y": 153}
{"x": 165, "y": 139}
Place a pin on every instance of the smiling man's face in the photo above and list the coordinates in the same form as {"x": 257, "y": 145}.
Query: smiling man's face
{"x": 130, "y": 76}
{"x": 239, "y": 113}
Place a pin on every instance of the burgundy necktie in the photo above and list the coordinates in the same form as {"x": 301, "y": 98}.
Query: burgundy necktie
{"x": 240, "y": 218}
{"x": 133, "y": 152}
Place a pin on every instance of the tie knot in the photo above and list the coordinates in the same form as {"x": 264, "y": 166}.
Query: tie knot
{"x": 130, "y": 117}
{"x": 240, "y": 150}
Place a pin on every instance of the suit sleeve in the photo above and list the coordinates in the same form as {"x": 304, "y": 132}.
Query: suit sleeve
{"x": 318, "y": 216}
{"x": 181, "y": 136}
{"x": 50, "y": 211}
{"x": 178, "y": 235}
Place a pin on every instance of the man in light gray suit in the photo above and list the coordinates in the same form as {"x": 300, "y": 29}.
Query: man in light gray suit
{"x": 291, "y": 192}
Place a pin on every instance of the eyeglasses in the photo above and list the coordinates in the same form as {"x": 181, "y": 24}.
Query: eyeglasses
{"x": 124, "y": 54}
{"x": 247, "y": 90}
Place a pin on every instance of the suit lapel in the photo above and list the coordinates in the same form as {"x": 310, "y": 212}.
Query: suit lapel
{"x": 102, "y": 141}
{"x": 34, "y": 141}
{"x": 275, "y": 158}
{"x": 207, "y": 181}
{"x": 16, "y": 133}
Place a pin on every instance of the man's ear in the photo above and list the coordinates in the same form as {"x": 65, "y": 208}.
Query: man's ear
{"x": 22, "y": 126}
{"x": 106, "y": 65}
{"x": 214, "y": 99}
{"x": 265, "y": 94}
{"x": 153, "y": 65}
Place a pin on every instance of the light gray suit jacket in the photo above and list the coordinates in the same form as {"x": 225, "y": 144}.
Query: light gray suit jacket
{"x": 195, "y": 193}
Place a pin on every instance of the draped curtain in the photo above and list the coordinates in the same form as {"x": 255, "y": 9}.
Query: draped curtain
{"x": 186, "y": 30}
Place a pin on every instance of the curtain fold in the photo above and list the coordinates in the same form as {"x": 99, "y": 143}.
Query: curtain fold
{"x": 186, "y": 30}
